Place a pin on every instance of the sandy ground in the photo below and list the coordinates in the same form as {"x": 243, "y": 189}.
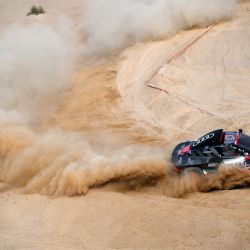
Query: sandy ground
{"x": 208, "y": 88}
{"x": 113, "y": 220}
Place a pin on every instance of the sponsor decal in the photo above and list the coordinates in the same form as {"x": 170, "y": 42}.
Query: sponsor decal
{"x": 229, "y": 138}
{"x": 204, "y": 138}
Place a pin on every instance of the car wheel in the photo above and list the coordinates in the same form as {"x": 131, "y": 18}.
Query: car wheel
{"x": 194, "y": 172}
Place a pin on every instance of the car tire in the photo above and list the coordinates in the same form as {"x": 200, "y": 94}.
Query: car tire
{"x": 193, "y": 171}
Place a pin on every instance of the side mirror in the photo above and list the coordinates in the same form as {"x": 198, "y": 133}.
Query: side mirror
{"x": 240, "y": 131}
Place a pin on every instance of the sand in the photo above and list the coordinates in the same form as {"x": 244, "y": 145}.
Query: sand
{"x": 133, "y": 129}
{"x": 113, "y": 220}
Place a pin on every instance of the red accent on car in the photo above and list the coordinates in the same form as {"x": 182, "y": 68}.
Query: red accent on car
{"x": 247, "y": 158}
{"x": 184, "y": 150}
{"x": 177, "y": 169}
{"x": 236, "y": 139}
{"x": 222, "y": 135}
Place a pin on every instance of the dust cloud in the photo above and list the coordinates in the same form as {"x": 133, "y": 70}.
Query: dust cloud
{"x": 227, "y": 177}
{"x": 58, "y": 163}
{"x": 37, "y": 63}
{"x": 111, "y": 25}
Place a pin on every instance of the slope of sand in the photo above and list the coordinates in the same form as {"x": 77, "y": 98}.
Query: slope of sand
{"x": 120, "y": 110}
{"x": 208, "y": 82}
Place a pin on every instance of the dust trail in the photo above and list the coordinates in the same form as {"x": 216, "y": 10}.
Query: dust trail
{"x": 34, "y": 80}
{"x": 59, "y": 163}
{"x": 228, "y": 177}
{"x": 111, "y": 25}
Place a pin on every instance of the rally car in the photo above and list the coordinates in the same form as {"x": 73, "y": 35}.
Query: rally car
{"x": 205, "y": 155}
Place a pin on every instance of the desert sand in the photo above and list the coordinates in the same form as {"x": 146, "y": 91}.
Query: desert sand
{"x": 93, "y": 173}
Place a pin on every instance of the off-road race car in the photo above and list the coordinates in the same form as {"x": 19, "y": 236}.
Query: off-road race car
{"x": 205, "y": 155}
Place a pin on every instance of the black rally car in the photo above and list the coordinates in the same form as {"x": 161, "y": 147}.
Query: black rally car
{"x": 204, "y": 156}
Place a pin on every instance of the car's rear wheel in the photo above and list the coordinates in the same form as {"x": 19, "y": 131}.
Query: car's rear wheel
{"x": 193, "y": 172}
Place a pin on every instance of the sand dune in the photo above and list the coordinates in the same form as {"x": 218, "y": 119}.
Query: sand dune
{"x": 81, "y": 126}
